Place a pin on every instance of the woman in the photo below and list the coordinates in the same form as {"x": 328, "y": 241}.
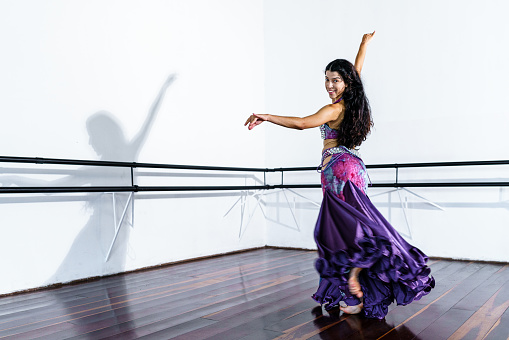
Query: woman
{"x": 363, "y": 262}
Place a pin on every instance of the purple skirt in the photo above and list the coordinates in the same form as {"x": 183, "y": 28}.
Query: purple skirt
{"x": 351, "y": 232}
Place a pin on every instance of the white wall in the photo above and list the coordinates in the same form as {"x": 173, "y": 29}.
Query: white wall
{"x": 435, "y": 75}
{"x": 66, "y": 63}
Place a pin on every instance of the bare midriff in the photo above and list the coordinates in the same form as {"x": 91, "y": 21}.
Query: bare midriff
{"x": 327, "y": 144}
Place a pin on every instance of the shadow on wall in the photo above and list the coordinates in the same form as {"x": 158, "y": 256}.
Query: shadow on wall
{"x": 87, "y": 256}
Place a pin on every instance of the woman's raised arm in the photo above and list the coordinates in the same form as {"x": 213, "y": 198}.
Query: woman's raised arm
{"x": 359, "y": 60}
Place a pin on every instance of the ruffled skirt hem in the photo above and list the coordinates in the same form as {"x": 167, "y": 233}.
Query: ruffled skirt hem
{"x": 353, "y": 233}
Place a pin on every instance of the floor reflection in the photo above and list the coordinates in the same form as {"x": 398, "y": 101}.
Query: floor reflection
{"x": 104, "y": 307}
{"x": 337, "y": 325}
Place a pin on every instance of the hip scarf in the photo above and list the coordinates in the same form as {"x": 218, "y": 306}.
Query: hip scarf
{"x": 344, "y": 165}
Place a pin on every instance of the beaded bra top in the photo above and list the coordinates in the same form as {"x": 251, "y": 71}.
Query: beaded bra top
{"x": 326, "y": 131}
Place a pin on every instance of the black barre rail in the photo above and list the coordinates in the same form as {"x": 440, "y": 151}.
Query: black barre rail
{"x": 136, "y": 188}
{"x": 39, "y": 160}
{"x": 409, "y": 165}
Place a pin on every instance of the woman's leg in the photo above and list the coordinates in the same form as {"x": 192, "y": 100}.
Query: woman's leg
{"x": 340, "y": 169}
{"x": 353, "y": 282}
{"x": 355, "y": 289}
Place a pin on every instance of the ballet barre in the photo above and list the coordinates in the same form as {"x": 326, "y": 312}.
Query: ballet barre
{"x": 244, "y": 189}
{"x": 264, "y": 186}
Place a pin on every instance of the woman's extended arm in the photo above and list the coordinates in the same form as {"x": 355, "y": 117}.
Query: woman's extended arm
{"x": 324, "y": 115}
{"x": 359, "y": 60}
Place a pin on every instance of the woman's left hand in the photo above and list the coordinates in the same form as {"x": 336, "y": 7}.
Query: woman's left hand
{"x": 366, "y": 38}
{"x": 256, "y": 119}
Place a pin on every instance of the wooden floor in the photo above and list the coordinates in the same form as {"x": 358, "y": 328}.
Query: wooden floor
{"x": 261, "y": 294}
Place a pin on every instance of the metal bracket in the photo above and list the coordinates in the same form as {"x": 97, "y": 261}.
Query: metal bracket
{"x": 404, "y": 205}
{"x": 118, "y": 225}
{"x": 259, "y": 194}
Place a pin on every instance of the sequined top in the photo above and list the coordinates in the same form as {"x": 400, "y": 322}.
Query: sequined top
{"x": 328, "y": 132}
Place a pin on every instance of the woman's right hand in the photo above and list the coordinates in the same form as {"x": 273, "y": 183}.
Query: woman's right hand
{"x": 256, "y": 119}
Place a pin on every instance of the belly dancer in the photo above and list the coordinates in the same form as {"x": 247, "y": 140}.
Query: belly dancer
{"x": 364, "y": 264}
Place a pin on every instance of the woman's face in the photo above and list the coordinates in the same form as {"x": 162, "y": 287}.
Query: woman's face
{"x": 334, "y": 84}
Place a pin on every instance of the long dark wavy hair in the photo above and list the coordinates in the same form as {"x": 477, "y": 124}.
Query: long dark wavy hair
{"x": 357, "y": 121}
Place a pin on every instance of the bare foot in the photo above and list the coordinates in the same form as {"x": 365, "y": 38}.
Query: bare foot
{"x": 352, "y": 309}
{"x": 353, "y": 282}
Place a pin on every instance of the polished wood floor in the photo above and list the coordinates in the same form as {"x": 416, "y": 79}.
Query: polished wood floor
{"x": 260, "y": 294}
